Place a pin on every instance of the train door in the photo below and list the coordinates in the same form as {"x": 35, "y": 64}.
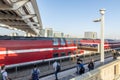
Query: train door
{"x": 63, "y": 48}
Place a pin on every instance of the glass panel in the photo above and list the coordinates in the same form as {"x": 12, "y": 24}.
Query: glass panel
{"x": 62, "y": 41}
{"x": 68, "y": 42}
{"x": 55, "y": 41}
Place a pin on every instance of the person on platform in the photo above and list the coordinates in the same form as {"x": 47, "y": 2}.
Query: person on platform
{"x": 4, "y": 73}
{"x": 114, "y": 54}
{"x": 77, "y": 64}
{"x": 91, "y": 65}
{"x": 35, "y": 73}
{"x": 56, "y": 67}
{"x": 81, "y": 67}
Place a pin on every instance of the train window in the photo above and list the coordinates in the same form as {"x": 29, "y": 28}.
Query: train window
{"x": 69, "y": 53}
{"x": 75, "y": 42}
{"x": 55, "y": 41}
{"x": 62, "y": 41}
{"x": 68, "y": 42}
{"x": 63, "y": 54}
{"x": 55, "y": 55}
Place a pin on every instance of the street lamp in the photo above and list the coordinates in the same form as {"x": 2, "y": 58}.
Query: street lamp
{"x": 102, "y": 12}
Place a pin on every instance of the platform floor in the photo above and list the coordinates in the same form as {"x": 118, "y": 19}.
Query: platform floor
{"x": 68, "y": 74}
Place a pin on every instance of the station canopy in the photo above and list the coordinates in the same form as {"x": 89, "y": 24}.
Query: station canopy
{"x": 21, "y": 14}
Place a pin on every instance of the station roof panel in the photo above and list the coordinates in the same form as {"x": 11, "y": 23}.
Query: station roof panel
{"x": 21, "y": 14}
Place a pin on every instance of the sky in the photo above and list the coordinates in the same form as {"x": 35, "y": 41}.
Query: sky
{"x": 76, "y": 16}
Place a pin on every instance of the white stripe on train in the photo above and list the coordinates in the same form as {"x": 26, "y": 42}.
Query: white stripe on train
{"x": 35, "y": 50}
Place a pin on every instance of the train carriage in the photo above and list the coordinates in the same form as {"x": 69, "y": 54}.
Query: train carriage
{"x": 23, "y": 50}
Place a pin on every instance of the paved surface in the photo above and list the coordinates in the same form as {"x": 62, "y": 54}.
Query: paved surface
{"x": 25, "y": 74}
{"x": 68, "y": 74}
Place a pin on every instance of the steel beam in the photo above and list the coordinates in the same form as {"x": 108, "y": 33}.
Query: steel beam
{"x": 4, "y": 7}
{"x": 32, "y": 23}
{"x": 24, "y": 28}
{"x": 9, "y": 17}
{"x": 13, "y": 23}
{"x": 13, "y": 6}
{"x": 34, "y": 3}
{"x": 19, "y": 4}
{"x": 28, "y": 16}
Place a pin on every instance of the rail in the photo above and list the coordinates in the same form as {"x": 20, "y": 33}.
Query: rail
{"x": 46, "y": 67}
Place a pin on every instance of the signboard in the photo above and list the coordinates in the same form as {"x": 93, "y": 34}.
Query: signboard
{"x": 88, "y": 45}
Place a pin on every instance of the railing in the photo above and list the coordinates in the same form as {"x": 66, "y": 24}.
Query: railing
{"x": 16, "y": 71}
{"x": 110, "y": 71}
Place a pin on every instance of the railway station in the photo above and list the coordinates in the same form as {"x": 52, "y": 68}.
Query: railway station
{"x": 20, "y": 54}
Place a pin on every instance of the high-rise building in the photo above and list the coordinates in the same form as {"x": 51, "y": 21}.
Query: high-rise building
{"x": 58, "y": 34}
{"x": 42, "y": 34}
{"x": 48, "y": 32}
{"x": 90, "y": 35}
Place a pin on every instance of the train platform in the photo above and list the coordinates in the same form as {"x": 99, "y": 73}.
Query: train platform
{"x": 71, "y": 73}
{"x": 46, "y": 68}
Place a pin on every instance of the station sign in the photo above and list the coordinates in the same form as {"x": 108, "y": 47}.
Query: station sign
{"x": 88, "y": 45}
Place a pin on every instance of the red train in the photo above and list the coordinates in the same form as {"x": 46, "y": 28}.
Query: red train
{"x": 14, "y": 50}
{"x": 17, "y": 50}
{"x": 108, "y": 43}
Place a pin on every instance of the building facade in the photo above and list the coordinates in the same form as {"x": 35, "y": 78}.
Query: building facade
{"x": 58, "y": 34}
{"x": 48, "y": 32}
{"x": 90, "y": 35}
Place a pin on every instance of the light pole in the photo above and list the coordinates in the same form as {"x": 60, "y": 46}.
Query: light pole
{"x": 102, "y": 12}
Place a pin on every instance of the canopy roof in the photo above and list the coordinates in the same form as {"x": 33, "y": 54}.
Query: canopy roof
{"x": 21, "y": 14}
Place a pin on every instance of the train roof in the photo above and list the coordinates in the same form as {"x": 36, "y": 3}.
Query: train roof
{"x": 49, "y": 38}
{"x": 31, "y": 38}
{"x": 106, "y": 40}
{"x": 23, "y": 38}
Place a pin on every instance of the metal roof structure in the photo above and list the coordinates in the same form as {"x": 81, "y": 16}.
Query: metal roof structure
{"x": 21, "y": 14}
